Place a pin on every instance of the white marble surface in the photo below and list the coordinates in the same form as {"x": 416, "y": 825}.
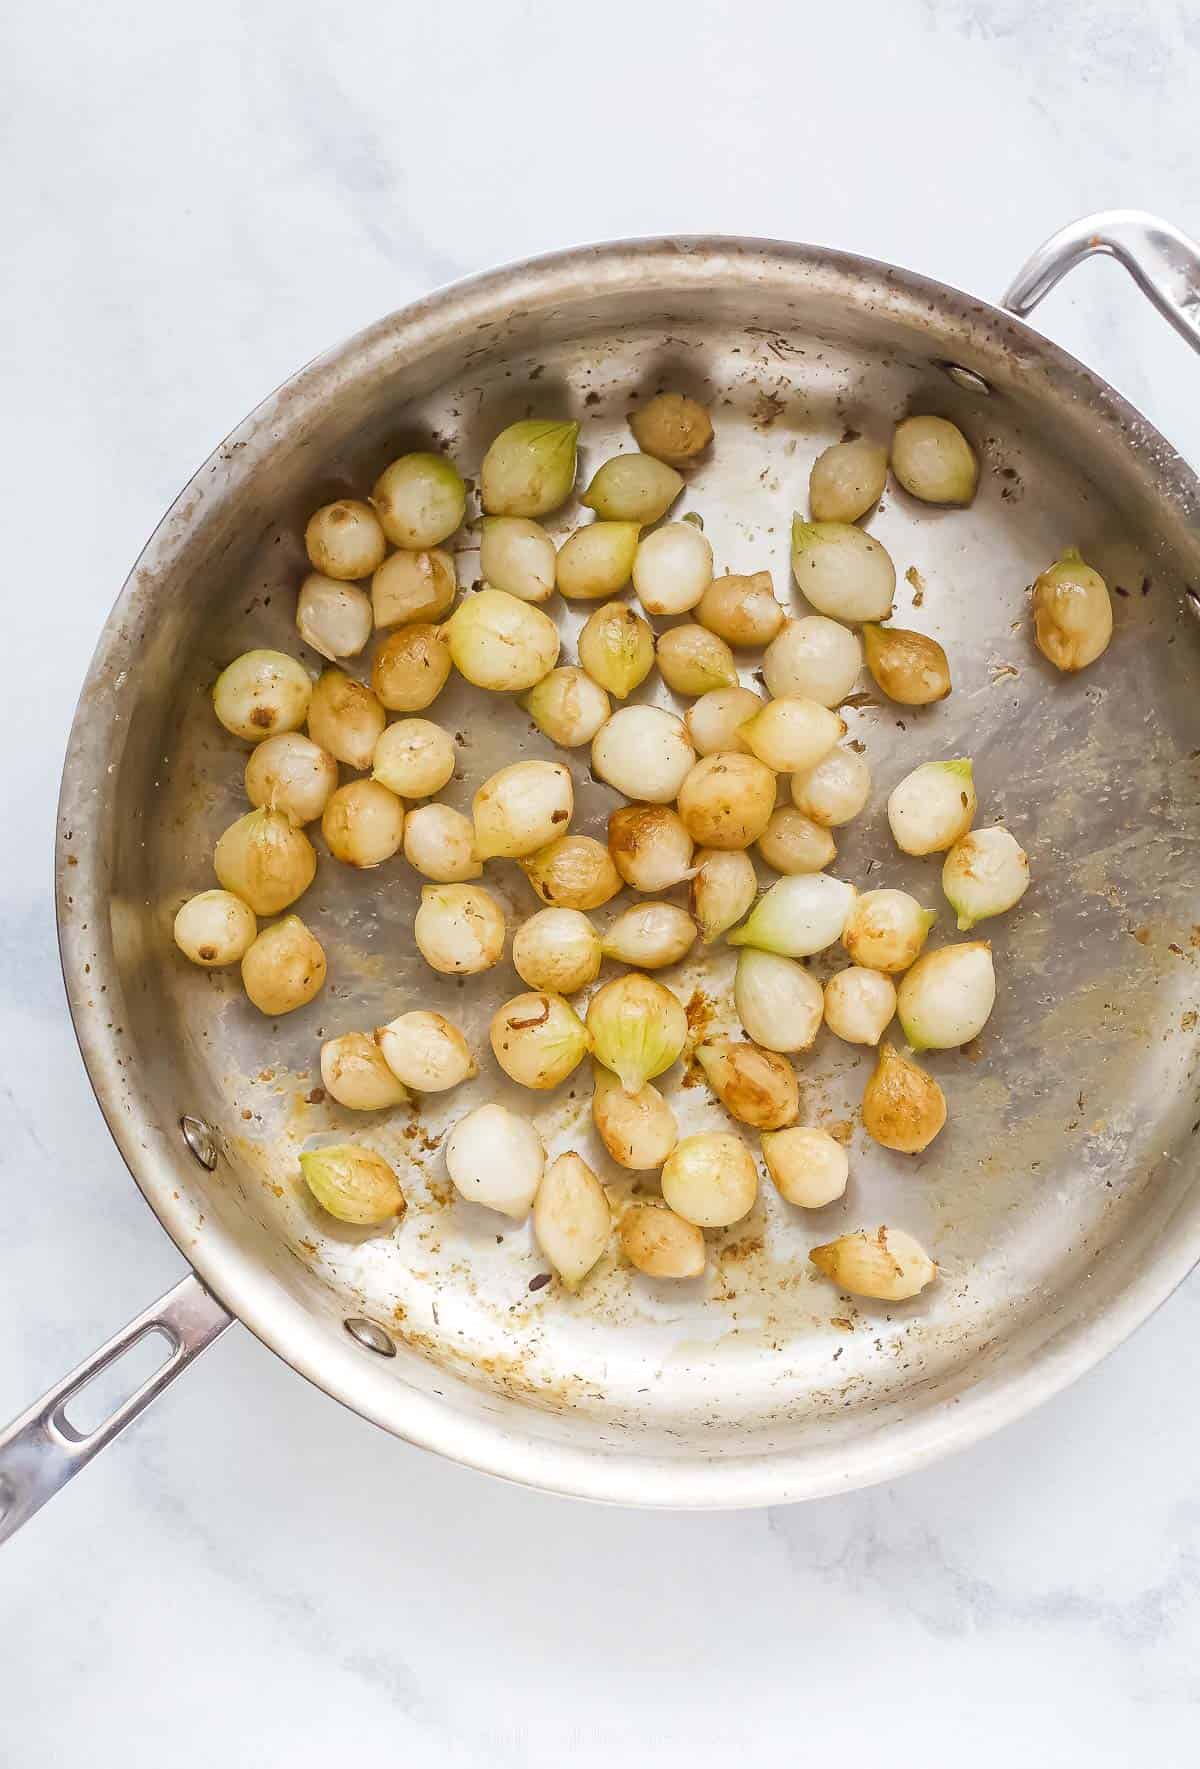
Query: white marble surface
{"x": 196, "y": 200}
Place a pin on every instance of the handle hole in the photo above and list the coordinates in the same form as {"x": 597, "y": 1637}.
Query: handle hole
{"x": 82, "y": 1413}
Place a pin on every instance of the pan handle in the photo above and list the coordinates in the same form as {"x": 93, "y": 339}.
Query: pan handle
{"x": 1163, "y": 262}
{"x": 40, "y": 1451}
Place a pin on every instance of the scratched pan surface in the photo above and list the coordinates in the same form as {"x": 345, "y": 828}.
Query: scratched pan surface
{"x": 1059, "y": 1202}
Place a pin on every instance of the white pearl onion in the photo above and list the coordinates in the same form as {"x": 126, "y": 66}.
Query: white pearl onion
{"x": 808, "y": 1167}
{"x": 644, "y": 752}
{"x": 835, "y": 791}
{"x": 496, "y": 1159}
{"x": 354, "y": 1073}
{"x": 439, "y": 842}
{"x": 672, "y": 569}
{"x": 816, "y": 658}
{"x": 414, "y": 757}
{"x": 426, "y": 1052}
{"x": 215, "y": 928}
{"x": 859, "y": 1004}
{"x": 334, "y": 618}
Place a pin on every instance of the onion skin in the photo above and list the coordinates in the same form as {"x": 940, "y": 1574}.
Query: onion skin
{"x": 909, "y": 667}
{"x": 284, "y": 968}
{"x": 757, "y": 1086}
{"x": 903, "y": 1107}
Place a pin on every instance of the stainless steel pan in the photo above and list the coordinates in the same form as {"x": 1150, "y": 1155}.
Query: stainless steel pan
{"x": 1061, "y": 1202}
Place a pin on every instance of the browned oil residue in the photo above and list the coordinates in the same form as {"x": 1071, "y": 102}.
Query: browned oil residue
{"x": 700, "y": 1011}
{"x": 747, "y": 1248}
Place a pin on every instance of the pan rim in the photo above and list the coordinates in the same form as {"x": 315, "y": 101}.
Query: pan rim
{"x": 244, "y": 1285}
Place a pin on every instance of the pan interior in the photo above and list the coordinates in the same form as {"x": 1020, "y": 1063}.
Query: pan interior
{"x": 1068, "y": 1152}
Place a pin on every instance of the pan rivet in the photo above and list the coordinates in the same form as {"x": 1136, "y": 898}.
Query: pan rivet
{"x": 966, "y": 378}
{"x": 200, "y": 1139}
{"x": 370, "y": 1335}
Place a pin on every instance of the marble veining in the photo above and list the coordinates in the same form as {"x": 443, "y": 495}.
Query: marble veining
{"x": 196, "y": 202}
